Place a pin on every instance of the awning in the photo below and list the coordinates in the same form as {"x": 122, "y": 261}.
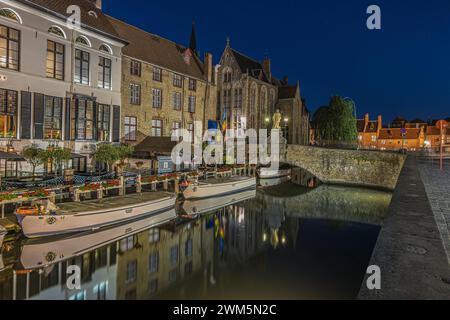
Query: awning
{"x": 152, "y": 146}
{"x": 9, "y": 156}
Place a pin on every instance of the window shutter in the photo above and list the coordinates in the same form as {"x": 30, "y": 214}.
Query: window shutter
{"x": 25, "y": 115}
{"x": 38, "y": 116}
{"x": 116, "y": 124}
{"x": 67, "y": 120}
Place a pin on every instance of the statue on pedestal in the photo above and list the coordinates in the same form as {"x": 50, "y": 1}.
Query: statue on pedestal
{"x": 276, "y": 120}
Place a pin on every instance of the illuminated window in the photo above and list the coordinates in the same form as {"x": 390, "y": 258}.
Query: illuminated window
{"x": 55, "y": 60}
{"x": 53, "y": 118}
{"x": 83, "y": 120}
{"x": 8, "y": 111}
{"x": 103, "y": 122}
{"x": 10, "y": 14}
{"x": 9, "y": 48}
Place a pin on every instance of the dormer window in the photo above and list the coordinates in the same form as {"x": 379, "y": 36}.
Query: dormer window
{"x": 83, "y": 41}
{"x": 10, "y": 14}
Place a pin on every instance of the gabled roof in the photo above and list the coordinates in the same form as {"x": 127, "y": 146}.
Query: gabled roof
{"x": 360, "y": 125}
{"x": 158, "y": 51}
{"x": 372, "y": 126}
{"x": 58, "y": 8}
{"x": 287, "y": 92}
{"x": 247, "y": 64}
{"x": 417, "y": 120}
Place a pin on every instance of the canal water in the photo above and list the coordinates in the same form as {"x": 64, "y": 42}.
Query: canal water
{"x": 282, "y": 242}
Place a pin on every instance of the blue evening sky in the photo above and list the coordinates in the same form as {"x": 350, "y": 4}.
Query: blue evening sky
{"x": 404, "y": 69}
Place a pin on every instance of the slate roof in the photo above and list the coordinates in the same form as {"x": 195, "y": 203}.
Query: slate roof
{"x": 247, "y": 64}
{"x": 287, "y": 92}
{"x": 58, "y": 8}
{"x": 156, "y": 50}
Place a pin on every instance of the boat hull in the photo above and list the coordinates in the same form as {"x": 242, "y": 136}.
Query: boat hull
{"x": 43, "y": 253}
{"x": 214, "y": 190}
{"x": 50, "y": 225}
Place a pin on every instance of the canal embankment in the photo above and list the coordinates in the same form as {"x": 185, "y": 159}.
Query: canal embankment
{"x": 409, "y": 250}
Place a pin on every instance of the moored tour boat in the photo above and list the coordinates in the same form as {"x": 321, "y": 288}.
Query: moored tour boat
{"x": 39, "y": 253}
{"x": 50, "y": 220}
{"x": 218, "y": 186}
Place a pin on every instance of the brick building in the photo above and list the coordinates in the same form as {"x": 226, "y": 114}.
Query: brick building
{"x": 369, "y": 131}
{"x": 165, "y": 86}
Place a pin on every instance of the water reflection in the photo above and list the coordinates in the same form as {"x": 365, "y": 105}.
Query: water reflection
{"x": 272, "y": 244}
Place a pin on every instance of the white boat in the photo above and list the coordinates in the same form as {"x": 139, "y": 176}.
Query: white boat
{"x": 218, "y": 186}
{"x": 41, "y": 253}
{"x": 92, "y": 215}
{"x": 201, "y": 206}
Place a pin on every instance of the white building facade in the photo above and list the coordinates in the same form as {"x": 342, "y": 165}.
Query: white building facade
{"x": 59, "y": 85}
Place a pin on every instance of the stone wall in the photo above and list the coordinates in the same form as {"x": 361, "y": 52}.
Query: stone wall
{"x": 350, "y": 167}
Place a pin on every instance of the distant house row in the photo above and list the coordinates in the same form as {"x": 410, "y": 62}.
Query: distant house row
{"x": 401, "y": 134}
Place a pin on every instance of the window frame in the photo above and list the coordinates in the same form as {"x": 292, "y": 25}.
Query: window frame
{"x": 129, "y": 134}
{"x": 55, "y": 54}
{"x": 9, "y": 112}
{"x": 157, "y": 74}
{"x": 135, "y": 98}
{"x": 103, "y": 67}
{"x": 157, "y": 99}
{"x": 177, "y": 80}
{"x": 156, "y": 128}
{"x": 192, "y": 84}
{"x": 82, "y": 68}
{"x": 56, "y": 118}
{"x": 8, "y": 41}
{"x": 136, "y": 68}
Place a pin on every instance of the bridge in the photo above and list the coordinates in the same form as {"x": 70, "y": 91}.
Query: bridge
{"x": 348, "y": 167}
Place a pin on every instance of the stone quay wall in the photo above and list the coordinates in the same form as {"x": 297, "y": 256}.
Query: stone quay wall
{"x": 348, "y": 167}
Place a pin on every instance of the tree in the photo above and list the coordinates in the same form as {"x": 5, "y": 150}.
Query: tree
{"x": 33, "y": 155}
{"x": 107, "y": 153}
{"x": 61, "y": 157}
{"x": 124, "y": 152}
{"x": 336, "y": 123}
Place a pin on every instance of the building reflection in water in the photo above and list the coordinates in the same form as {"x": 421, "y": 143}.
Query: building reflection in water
{"x": 179, "y": 260}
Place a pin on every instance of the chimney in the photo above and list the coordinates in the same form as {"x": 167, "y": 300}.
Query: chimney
{"x": 267, "y": 68}
{"x": 366, "y": 119}
{"x": 380, "y": 123}
{"x": 208, "y": 62}
{"x": 97, "y": 3}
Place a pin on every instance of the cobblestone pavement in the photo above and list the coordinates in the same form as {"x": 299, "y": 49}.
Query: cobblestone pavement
{"x": 437, "y": 185}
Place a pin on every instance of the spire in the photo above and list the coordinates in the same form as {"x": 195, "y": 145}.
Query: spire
{"x": 228, "y": 41}
{"x": 193, "y": 42}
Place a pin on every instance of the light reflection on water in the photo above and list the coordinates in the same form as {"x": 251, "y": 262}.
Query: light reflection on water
{"x": 280, "y": 243}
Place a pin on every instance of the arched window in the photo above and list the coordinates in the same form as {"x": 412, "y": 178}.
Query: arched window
{"x": 83, "y": 41}
{"x": 57, "y": 31}
{"x": 105, "y": 48}
{"x": 10, "y": 14}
